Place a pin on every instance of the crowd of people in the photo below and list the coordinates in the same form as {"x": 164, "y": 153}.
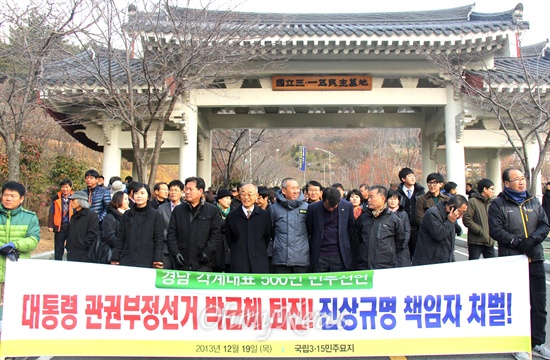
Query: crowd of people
{"x": 286, "y": 229}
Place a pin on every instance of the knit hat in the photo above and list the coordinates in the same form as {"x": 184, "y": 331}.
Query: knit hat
{"x": 117, "y": 186}
{"x": 80, "y": 195}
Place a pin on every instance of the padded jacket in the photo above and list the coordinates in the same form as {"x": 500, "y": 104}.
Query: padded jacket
{"x": 509, "y": 220}
{"x": 381, "y": 239}
{"x": 19, "y": 226}
{"x": 290, "y": 239}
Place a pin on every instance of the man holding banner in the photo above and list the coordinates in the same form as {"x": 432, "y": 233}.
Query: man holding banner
{"x": 519, "y": 224}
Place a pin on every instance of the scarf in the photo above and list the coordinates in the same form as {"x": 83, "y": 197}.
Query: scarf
{"x": 223, "y": 212}
{"x": 377, "y": 213}
{"x": 517, "y": 196}
{"x": 357, "y": 212}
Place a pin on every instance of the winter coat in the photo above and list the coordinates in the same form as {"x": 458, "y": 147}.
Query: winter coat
{"x": 355, "y": 241}
{"x": 196, "y": 236}
{"x": 409, "y": 205}
{"x": 315, "y": 225}
{"x": 111, "y": 226}
{"x": 101, "y": 198}
{"x": 546, "y": 203}
{"x": 248, "y": 240}
{"x": 404, "y": 256}
{"x": 381, "y": 238}
{"x": 140, "y": 239}
{"x": 83, "y": 231}
{"x": 56, "y": 212}
{"x": 477, "y": 222}
{"x": 436, "y": 237}
{"x": 426, "y": 201}
{"x": 509, "y": 220}
{"x": 21, "y": 227}
{"x": 290, "y": 239}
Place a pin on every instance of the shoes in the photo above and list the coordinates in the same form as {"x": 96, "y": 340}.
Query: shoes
{"x": 541, "y": 351}
{"x": 521, "y": 356}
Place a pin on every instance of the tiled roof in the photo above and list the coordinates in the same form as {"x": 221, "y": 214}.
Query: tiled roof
{"x": 460, "y": 20}
{"x": 90, "y": 66}
{"x": 509, "y": 70}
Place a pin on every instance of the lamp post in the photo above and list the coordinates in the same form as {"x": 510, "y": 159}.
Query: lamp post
{"x": 330, "y": 155}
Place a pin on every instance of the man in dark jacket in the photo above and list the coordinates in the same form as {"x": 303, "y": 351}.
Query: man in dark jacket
{"x": 519, "y": 224}
{"x": 84, "y": 228}
{"x": 330, "y": 225}
{"x": 477, "y": 222}
{"x": 546, "y": 200}
{"x": 436, "y": 236}
{"x": 194, "y": 233}
{"x": 435, "y": 182}
{"x": 381, "y": 233}
{"x": 248, "y": 231}
{"x": 98, "y": 197}
{"x": 410, "y": 191}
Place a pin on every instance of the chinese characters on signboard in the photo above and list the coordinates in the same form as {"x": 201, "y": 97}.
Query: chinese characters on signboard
{"x": 319, "y": 83}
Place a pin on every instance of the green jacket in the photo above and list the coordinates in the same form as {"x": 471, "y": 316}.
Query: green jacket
{"x": 477, "y": 222}
{"x": 21, "y": 227}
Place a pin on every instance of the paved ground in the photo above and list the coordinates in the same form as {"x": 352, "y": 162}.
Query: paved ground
{"x": 461, "y": 254}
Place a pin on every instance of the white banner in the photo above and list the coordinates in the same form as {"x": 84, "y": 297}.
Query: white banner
{"x": 55, "y": 308}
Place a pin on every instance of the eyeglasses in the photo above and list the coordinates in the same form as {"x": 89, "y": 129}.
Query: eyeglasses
{"x": 521, "y": 179}
{"x": 433, "y": 183}
{"x": 247, "y": 195}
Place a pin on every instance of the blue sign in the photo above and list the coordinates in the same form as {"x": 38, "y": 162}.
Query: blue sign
{"x": 302, "y": 163}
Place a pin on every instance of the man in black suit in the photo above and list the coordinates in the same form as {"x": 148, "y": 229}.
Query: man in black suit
{"x": 329, "y": 225}
{"x": 248, "y": 231}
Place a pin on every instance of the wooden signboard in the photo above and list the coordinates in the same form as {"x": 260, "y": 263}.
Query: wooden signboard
{"x": 320, "y": 83}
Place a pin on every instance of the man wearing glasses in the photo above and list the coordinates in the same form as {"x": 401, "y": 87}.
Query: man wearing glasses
{"x": 519, "y": 224}
{"x": 435, "y": 182}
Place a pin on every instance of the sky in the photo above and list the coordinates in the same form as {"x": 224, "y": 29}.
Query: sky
{"x": 537, "y": 12}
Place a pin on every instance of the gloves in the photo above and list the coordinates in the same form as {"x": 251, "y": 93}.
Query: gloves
{"x": 180, "y": 259}
{"x": 9, "y": 251}
{"x": 526, "y": 245}
{"x": 204, "y": 258}
{"x": 514, "y": 243}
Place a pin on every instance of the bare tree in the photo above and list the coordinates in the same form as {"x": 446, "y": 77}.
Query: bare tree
{"x": 34, "y": 34}
{"x": 513, "y": 91}
{"x": 247, "y": 150}
{"x": 141, "y": 64}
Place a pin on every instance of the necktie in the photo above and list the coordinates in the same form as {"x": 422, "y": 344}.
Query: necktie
{"x": 409, "y": 193}
{"x": 248, "y": 213}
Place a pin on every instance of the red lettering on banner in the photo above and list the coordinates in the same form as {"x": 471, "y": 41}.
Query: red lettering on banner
{"x": 93, "y": 311}
{"x": 170, "y": 307}
{"x": 234, "y": 309}
{"x": 50, "y": 307}
{"x": 277, "y": 313}
{"x": 298, "y": 310}
{"x": 253, "y": 312}
{"x": 300, "y": 313}
{"x": 31, "y": 311}
{"x": 112, "y": 312}
{"x": 214, "y": 310}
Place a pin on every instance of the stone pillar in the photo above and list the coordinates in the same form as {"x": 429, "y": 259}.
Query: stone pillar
{"x": 205, "y": 158}
{"x": 533, "y": 154}
{"x": 494, "y": 172}
{"x": 454, "y": 150}
{"x": 112, "y": 155}
{"x": 188, "y": 144}
{"x": 428, "y": 156}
